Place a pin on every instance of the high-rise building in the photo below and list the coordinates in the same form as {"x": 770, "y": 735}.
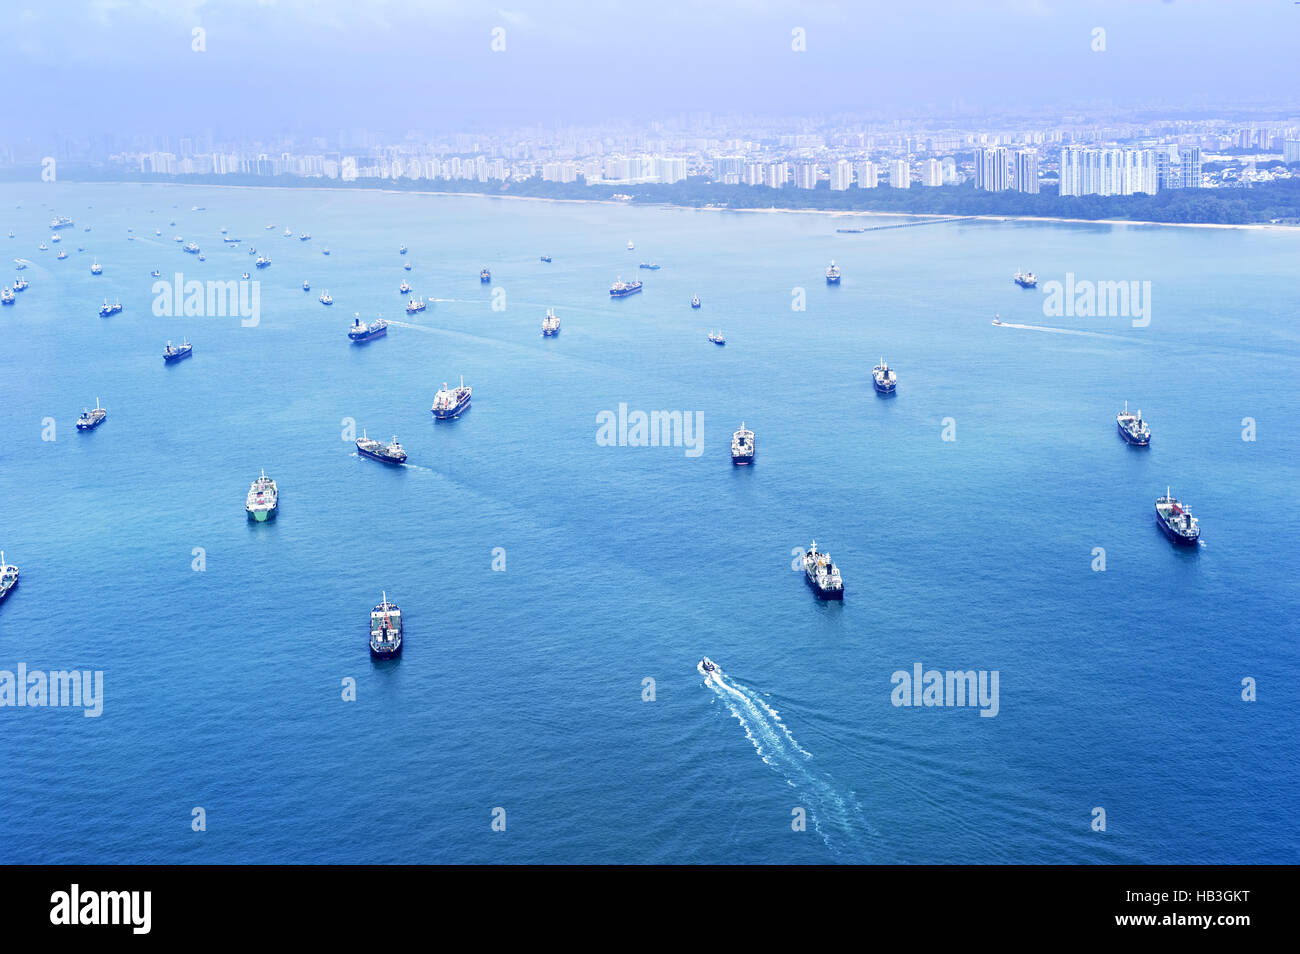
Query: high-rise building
{"x": 805, "y": 175}
{"x": 1291, "y": 150}
{"x": 1091, "y": 171}
{"x": 866, "y": 175}
{"x": 777, "y": 175}
{"x": 899, "y": 174}
{"x": 1025, "y": 178}
{"x": 931, "y": 173}
{"x": 841, "y": 175}
{"x": 991, "y": 169}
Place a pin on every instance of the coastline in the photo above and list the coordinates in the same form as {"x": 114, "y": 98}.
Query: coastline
{"x": 838, "y": 213}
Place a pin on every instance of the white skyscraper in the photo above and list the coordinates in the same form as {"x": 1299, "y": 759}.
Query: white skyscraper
{"x": 841, "y": 175}
{"x": 866, "y": 174}
{"x": 931, "y": 173}
{"x": 899, "y": 175}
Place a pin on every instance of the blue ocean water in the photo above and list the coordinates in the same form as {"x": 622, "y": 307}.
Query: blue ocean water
{"x": 523, "y": 689}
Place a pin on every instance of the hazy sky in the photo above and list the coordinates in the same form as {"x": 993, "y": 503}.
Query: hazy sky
{"x": 87, "y": 66}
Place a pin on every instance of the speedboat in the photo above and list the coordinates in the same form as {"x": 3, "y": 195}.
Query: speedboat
{"x": 707, "y": 668}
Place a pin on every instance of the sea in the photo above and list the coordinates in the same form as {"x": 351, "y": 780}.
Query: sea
{"x": 561, "y": 579}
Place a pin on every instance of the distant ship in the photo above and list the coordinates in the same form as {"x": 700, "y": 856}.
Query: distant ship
{"x": 883, "y": 378}
{"x": 61, "y": 222}
{"x": 230, "y": 240}
{"x": 155, "y": 273}
{"x": 176, "y": 353}
{"x": 450, "y": 403}
{"x": 21, "y": 284}
{"x": 717, "y": 338}
{"x": 42, "y": 247}
{"x": 91, "y": 418}
{"x": 630, "y": 246}
{"x": 550, "y": 324}
{"x": 21, "y": 263}
{"x": 385, "y": 629}
{"x": 288, "y": 233}
{"x": 707, "y": 668}
{"x": 832, "y": 274}
{"x": 306, "y": 286}
{"x": 1176, "y": 520}
{"x": 8, "y": 577}
{"x": 822, "y": 574}
{"x": 1132, "y": 428}
{"x": 325, "y": 298}
{"x": 304, "y": 237}
{"x": 402, "y": 250}
{"x": 202, "y": 257}
{"x": 378, "y": 450}
{"x": 545, "y": 258}
{"x": 695, "y": 301}
{"x": 262, "y": 261}
{"x": 742, "y": 446}
{"x": 997, "y": 319}
{"x": 853, "y": 231}
{"x": 360, "y": 331}
{"x": 621, "y": 289}
{"x": 414, "y": 306}
{"x": 192, "y": 248}
{"x": 263, "y": 499}
{"x": 178, "y": 238}
{"x": 96, "y": 268}
{"x": 1025, "y": 279}
{"x": 404, "y": 287}
{"x": 484, "y": 275}
{"x": 325, "y": 251}
{"x": 652, "y": 266}
{"x": 7, "y": 297}
{"x": 56, "y": 239}
{"x": 268, "y": 228}
{"x": 407, "y": 266}
{"x": 244, "y": 276}
{"x": 105, "y": 310}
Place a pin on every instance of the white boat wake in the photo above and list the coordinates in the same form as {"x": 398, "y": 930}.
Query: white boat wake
{"x": 1062, "y": 331}
{"x": 835, "y": 815}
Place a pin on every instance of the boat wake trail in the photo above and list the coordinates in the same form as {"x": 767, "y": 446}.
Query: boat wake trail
{"x": 1064, "y": 331}
{"x": 836, "y": 815}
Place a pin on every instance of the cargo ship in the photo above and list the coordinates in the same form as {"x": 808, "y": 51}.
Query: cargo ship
{"x": 717, "y": 338}
{"x": 8, "y": 577}
{"x": 695, "y": 301}
{"x": 96, "y": 268}
{"x": 326, "y": 298}
{"x": 822, "y": 574}
{"x": 1176, "y": 520}
{"x": 450, "y": 403}
{"x": 262, "y": 262}
{"x": 1132, "y": 428}
{"x": 177, "y": 352}
{"x": 263, "y": 499}
{"x": 7, "y": 297}
{"x": 621, "y": 289}
{"x": 92, "y": 418}
{"x": 59, "y": 222}
{"x": 192, "y": 248}
{"x": 550, "y": 324}
{"x": 404, "y": 288}
{"x": 1025, "y": 279}
{"x": 378, "y": 450}
{"x": 742, "y": 446}
{"x": 385, "y": 629}
{"x": 883, "y": 378}
{"x": 832, "y": 274}
{"x": 413, "y": 306}
{"x": 484, "y": 275}
{"x": 105, "y": 310}
{"x": 360, "y": 331}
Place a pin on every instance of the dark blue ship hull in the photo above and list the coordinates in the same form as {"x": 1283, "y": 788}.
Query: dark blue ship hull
{"x": 385, "y": 653}
{"x": 1175, "y": 536}
{"x": 367, "y": 336}
{"x": 179, "y": 356}
{"x": 447, "y": 414}
{"x": 884, "y": 388}
{"x": 1129, "y": 438}
{"x": 832, "y": 281}
{"x": 624, "y": 293}
{"x": 821, "y": 592}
